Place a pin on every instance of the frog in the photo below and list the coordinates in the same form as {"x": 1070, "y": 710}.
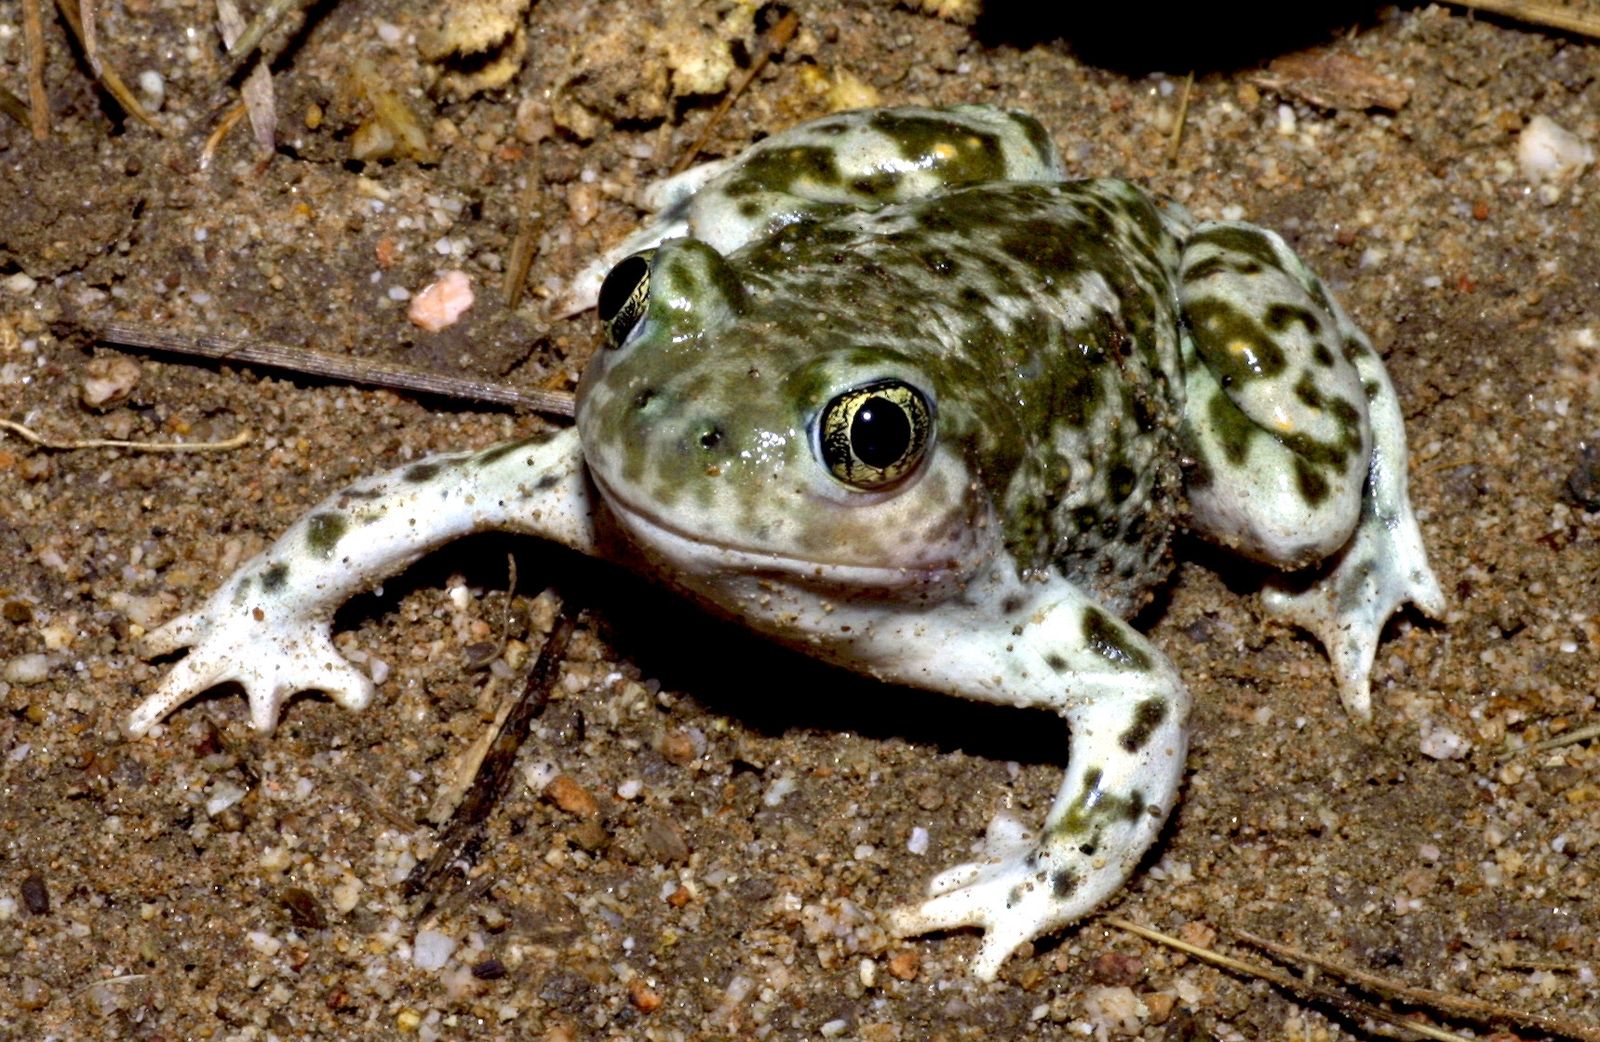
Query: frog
{"x": 892, "y": 389}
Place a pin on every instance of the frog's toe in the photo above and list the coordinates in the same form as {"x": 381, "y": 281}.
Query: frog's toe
{"x": 270, "y": 671}
{"x": 1008, "y": 900}
{"x": 1347, "y": 606}
{"x": 171, "y": 635}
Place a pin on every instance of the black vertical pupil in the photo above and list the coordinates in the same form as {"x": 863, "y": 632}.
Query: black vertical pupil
{"x": 880, "y": 433}
{"x": 619, "y": 284}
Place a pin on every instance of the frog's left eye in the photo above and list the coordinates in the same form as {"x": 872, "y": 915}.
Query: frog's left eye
{"x": 873, "y": 435}
{"x": 623, "y": 296}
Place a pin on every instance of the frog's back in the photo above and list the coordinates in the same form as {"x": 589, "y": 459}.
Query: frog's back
{"x": 1044, "y": 315}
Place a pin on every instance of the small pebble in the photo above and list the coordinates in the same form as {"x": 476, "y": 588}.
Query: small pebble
{"x": 35, "y": 895}
{"x": 19, "y": 283}
{"x": 32, "y": 994}
{"x": 1441, "y": 743}
{"x": 305, "y": 911}
{"x": 645, "y": 999}
{"x": 441, "y": 303}
{"x": 153, "y": 88}
{"x": 571, "y": 797}
{"x": 432, "y": 949}
{"x": 489, "y": 969}
{"x": 1548, "y": 152}
{"x": 27, "y": 669}
{"x": 108, "y": 380}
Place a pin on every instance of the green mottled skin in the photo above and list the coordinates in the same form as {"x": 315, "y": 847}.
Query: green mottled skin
{"x": 1039, "y": 315}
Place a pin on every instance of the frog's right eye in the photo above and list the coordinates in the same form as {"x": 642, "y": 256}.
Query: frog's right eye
{"x": 623, "y": 296}
{"x": 875, "y": 434}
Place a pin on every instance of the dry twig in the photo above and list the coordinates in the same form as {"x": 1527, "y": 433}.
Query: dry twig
{"x": 31, "y": 435}
{"x": 1456, "y": 1005}
{"x": 1537, "y": 12}
{"x": 38, "y": 100}
{"x": 529, "y": 223}
{"x": 339, "y": 367}
{"x": 774, "y": 42}
{"x": 1346, "y": 1005}
{"x": 15, "y": 107}
{"x": 465, "y": 827}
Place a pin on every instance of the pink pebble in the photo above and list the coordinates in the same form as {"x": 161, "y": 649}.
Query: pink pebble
{"x": 442, "y": 302}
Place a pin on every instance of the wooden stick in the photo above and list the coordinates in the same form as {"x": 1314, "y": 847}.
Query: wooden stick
{"x": 339, "y": 367}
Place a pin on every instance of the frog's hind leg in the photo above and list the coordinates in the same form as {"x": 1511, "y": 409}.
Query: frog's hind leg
{"x": 1295, "y": 447}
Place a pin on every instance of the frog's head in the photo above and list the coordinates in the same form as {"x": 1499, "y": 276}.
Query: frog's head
{"x": 734, "y": 436}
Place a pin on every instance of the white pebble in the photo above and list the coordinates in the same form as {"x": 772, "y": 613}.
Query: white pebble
{"x": 432, "y": 950}
{"x": 630, "y": 789}
{"x": 389, "y": 33}
{"x": 346, "y": 894}
{"x": 781, "y": 786}
{"x": 918, "y": 843}
{"x": 1548, "y": 152}
{"x": 223, "y": 796}
{"x": 154, "y": 89}
{"x": 19, "y": 283}
{"x": 263, "y": 942}
{"x": 27, "y": 669}
{"x": 1441, "y": 743}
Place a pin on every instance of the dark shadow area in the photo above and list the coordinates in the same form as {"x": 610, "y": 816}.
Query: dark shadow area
{"x": 728, "y": 669}
{"x": 1136, "y": 38}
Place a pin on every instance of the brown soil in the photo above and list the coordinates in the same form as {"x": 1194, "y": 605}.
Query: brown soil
{"x": 703, "y": 905}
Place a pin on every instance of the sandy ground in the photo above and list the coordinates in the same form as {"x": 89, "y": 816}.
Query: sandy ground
{"x": 737, "y": 817}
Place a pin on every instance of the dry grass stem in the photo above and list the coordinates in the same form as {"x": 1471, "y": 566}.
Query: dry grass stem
{"x": 109, "y": 79}
{"x": 229, "y": 120}
{"x": 15, "y": 107}
{"x": 1561, "y": 741}
{"x": 91, "y": 34}
{"x": 1182, "y": 118}
{"x": 73, "y": 444}
{"x": 244, "y": 45}
{"x": 257, "y": 87}
{"x": 340, "y": 367}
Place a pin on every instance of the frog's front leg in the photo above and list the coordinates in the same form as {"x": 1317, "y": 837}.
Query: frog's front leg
{"x": 1297, "y": 450}
{"x": 1128, "y": 712}
{"x": 268, "y": 625}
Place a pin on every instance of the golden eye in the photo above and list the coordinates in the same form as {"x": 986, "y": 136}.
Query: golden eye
{"x": 623, "y": 296}
{"x": 874, "y": 435}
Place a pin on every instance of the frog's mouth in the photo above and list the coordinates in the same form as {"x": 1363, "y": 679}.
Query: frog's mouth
{"x": 697, "y": 555}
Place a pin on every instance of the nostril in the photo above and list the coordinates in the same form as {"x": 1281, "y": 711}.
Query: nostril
{"x": 643, "y": 398}
{"x": 711, "y": 438}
